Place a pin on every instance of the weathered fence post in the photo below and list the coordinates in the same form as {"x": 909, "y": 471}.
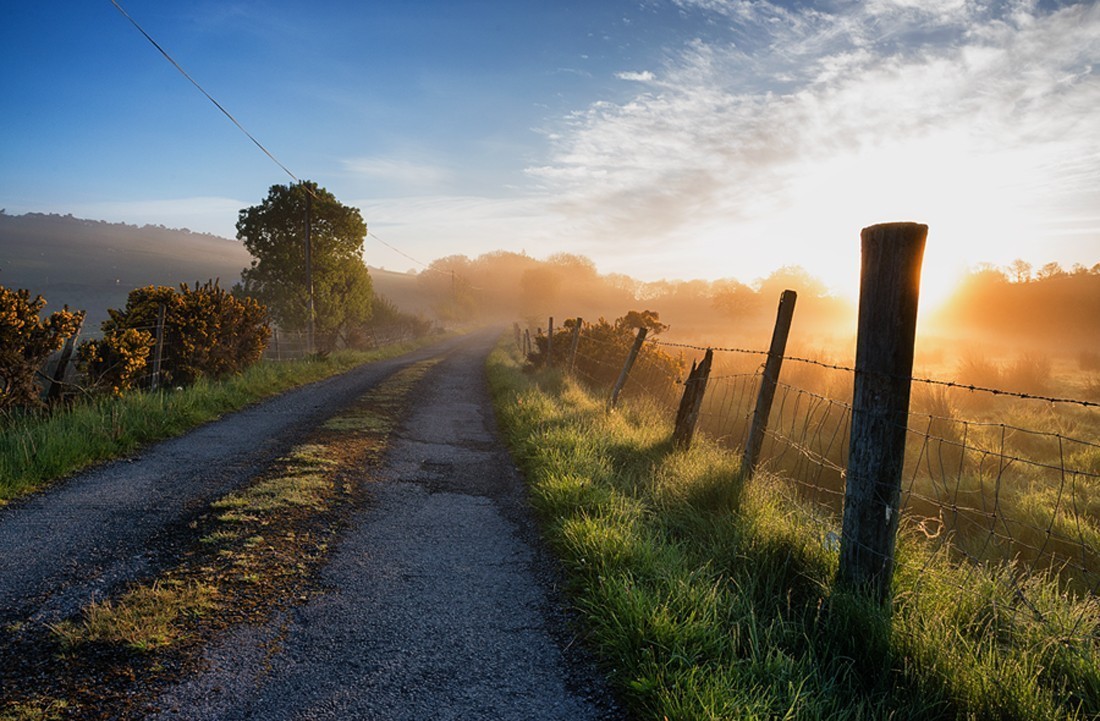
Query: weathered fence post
{"x": 57, "y": 380}
{"x": 519, "y": 338}
{"x": 630, "y": 358}
{"x": 527, "y": 342}
{"x": 275, "y": 339}
{"x": 158, "y": 349}
{"x": 692, "y": 402}
{"x": 888, "y": 294}
{"x": 575, "y": 344}
{"x": 768, "y": 383}
{"x": 550, "y": 343}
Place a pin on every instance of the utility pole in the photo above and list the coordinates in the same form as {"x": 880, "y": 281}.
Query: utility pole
{"x": 309, "y": 270}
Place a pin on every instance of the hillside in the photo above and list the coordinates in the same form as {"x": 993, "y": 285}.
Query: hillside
{"x": 91, "y": 265}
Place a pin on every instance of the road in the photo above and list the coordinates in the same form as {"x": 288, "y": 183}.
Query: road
{"x": 439, "y": 602}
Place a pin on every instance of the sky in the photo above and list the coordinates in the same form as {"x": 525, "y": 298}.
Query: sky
{"x": 660, "y": 138}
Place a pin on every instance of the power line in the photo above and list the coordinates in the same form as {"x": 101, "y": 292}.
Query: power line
{"x": 406, "y": 255}
{"x": 249, "y": 135}
{"x": 203, "y": 91}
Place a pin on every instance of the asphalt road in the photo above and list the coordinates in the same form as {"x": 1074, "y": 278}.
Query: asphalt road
{"x": 100, "y": 529}
{"x": 439, "y": 601}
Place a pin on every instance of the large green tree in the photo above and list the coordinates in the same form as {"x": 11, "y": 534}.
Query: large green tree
{"x": 274, "y": 233}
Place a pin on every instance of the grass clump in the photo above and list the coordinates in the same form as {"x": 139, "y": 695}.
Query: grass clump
{"x": 143, "y": 619}
{"x": 707, "y": 598}
{"x": 254, "y": 550}
{"x": 36, "y": 448}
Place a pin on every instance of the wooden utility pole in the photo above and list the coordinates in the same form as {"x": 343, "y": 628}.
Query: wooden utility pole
{"x": 768, "y": 383}
{"x": 309, "y": 270}
{"x": 888, "y": 295}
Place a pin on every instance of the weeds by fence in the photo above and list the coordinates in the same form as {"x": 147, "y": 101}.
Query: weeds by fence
{"x": 998, "y": 486}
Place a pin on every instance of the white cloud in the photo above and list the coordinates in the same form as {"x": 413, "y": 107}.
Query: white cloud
{"x": 399, "y": 172}
{"x": 642, "y": 77}
{"x": 434, "y": 226}
{"x": 808, "y": 125}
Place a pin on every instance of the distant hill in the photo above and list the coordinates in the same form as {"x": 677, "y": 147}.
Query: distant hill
{"x": 92, "y": 265}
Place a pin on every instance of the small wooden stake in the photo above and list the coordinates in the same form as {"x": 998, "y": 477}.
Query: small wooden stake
{"x": 550, "y": 343}
{"x": 57, "y": 383}
{"x": 575, "y": 344}
{"x": 888, "y": 295}
{"x": 692, "y": 402}
{"x": 768, "y": 383}
{"x": 158, "y": 349}
{"x": 630, "y": 358}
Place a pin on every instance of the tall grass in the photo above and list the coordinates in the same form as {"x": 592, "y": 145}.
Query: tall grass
{"x": 36, "y": 448}
{"x": 707, "y": 598}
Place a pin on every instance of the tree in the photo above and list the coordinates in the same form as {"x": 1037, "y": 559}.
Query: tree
{"x": 274, "y": 233}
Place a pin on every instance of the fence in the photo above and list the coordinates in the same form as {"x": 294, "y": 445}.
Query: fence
{"x": 994, "y": 481}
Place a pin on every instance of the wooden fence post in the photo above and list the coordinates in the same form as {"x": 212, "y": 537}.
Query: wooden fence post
{"x": 888, "y": 294}
{"x": 550, "y": 343}
{"x": 57, "y": 381}
{"x": 275, "y": 338}
{"x": 630, "y": 358}
{"x": 692, "y": 402}
{"x": 526, "y": 342}
{"x": 768, "y": 383}
{"x": 158, "y": 349}
{"x": 519, "y": 338}
{"x": 575, "y": 344}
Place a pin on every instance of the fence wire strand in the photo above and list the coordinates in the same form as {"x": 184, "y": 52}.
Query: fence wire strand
{"x": 993, "y": 496}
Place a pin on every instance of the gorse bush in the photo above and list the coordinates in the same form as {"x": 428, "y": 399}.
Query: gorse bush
{"x": 26, "y": 341}
{"x": 208, "y": 333}
{"x": 118, "y": 360}
{"x": 603, "y": 347}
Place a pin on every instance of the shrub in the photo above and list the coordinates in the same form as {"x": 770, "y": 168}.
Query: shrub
{"x": 26, "y": 341}
{"x": 388, "y": 324}
{"x": 208, "y": 332}
{"x": 118, "y": 360}
{"x": 603, "y": 348}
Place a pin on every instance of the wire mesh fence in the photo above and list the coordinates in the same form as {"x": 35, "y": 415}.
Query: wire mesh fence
{"x": 999, "y": 487}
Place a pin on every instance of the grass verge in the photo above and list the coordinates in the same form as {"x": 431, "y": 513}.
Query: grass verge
{"x": 707, "y": 598}
{"x": 35, "y": 449}
{"x": 251, "y": 552}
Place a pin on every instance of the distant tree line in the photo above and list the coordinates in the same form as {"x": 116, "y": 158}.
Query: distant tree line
{"x": 1047, "y": 305}
{"x": 503, "y": 285}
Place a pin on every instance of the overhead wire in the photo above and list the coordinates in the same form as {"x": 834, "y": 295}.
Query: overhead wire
{"x": 202, "y": 90}
{"x": 249, "y": 135}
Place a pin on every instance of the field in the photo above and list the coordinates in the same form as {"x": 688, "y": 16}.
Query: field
{"x": 709, "y": 596}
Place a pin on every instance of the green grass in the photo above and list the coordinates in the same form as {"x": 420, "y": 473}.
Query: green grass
{"x": 259, "y": 548}
{"x": 143, "y": 619}
{"x": 707, "y": 598}
{"x": 37, "y": 449}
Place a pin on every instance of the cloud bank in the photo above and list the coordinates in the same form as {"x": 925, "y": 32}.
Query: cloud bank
{"x": 802, "y": 125}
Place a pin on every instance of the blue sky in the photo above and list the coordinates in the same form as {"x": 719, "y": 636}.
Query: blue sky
{"x": 662, "y": 138}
